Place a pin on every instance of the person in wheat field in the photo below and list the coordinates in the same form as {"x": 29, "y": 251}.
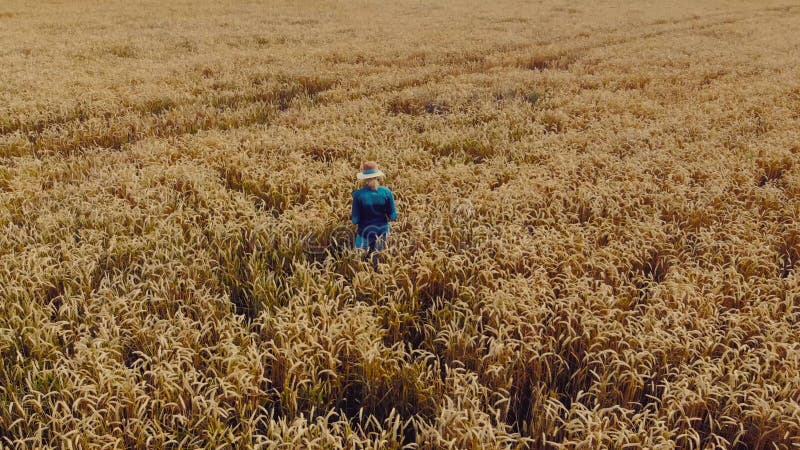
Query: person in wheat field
{"x": 373, "y": 208}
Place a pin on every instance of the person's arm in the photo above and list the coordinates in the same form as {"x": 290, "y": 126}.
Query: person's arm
{"x": 392, "y": 207}
{"x": 355, "y": 213}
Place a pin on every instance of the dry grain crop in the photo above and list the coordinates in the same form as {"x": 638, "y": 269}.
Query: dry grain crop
{"x": 598, "y": 247}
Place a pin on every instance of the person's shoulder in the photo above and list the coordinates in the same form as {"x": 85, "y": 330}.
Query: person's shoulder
{"x": 384, "y": 190}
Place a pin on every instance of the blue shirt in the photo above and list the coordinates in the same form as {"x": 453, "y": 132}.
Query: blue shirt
{"x": 373, "y": 209}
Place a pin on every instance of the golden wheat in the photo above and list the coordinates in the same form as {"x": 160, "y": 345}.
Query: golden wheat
{"x": 598, "y": 241}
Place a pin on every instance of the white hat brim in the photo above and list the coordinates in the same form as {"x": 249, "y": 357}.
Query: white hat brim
{"x": 362, "y": 176}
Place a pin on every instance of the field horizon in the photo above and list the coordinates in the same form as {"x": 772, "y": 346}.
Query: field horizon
{"x": 597, "y": 244}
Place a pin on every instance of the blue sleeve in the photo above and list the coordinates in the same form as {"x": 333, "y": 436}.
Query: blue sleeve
{"x": 392, "y": 207}
{"x": 354, "y": 213}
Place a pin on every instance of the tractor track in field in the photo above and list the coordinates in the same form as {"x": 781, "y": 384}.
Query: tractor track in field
{"x": 574, "y": 52}
{"x": 240, "y": 112}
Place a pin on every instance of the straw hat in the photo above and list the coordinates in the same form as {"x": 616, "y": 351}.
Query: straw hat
{"x": 369, "y": 170}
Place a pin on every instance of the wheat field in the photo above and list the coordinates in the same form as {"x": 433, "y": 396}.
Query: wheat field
{"x": 597, "y": 247}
